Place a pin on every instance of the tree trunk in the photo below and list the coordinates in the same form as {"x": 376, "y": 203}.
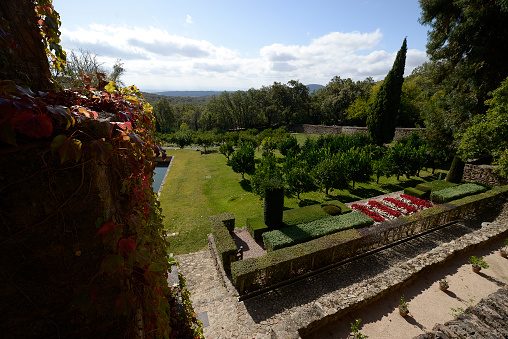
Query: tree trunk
{"x": 28, "y": 64}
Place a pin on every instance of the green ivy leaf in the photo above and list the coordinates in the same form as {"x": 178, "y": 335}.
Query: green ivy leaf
{"x": 111, "y": 87}
{"x": 112, "y": 263}
{"x": 67, "y": 147}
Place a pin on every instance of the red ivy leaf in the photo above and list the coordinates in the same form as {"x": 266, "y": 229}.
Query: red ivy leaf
{"x": 126, "y": 246}
{"x": 67, "y": 147}
{"x": 106, "y": 228}
{"x": 7, "y": 133}
{"x": 37, "y": 126}
{"x": 124, "y": 125}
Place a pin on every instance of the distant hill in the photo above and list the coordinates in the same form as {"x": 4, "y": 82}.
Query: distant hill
{"x": 193, "y": 94}
{"x": 314, "y": 87}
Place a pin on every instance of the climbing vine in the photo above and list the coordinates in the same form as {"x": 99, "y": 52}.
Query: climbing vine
{"x": 137, "y": 245}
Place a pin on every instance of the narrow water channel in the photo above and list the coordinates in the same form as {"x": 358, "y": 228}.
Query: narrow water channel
{"x": 158, "y": 175}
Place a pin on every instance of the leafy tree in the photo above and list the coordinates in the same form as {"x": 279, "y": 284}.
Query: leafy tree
{"x": 183, "y": 137}
{"x": 467, "y": 42}
{"x": 383, "y": 113}
{"x": 488, "y": 134}
{"x": 164, "y": 116}
{"x": 204, "y": 139}
{"x": 358, "y": 165}
{"x": 331, "y": 172}
{"x": 381, "y": 166}
{"x": 242, "y": 161}
{"x": 297, "y": 177}
{"x": 289, "y": 146}
{"x": 227, "y": 149}
{"x": 268, "y": 174}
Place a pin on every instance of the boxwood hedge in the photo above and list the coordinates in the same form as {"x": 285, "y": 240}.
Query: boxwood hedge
{"x": 224, "y": 242}
{"x": 303, "y": 214}
{"x": 343, "y": 208}
{"x": 457, "y": 192}
{"x": 304, "y": 232}
{"x": 435, "y": 185}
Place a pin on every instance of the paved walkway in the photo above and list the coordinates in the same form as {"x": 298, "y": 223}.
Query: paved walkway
{"x": 282, "y": 311}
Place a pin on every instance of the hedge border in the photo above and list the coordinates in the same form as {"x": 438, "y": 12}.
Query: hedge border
{"x": 226, "y": 246}
{"x": 456, "y": 192}
{"x": 256, "y": 273}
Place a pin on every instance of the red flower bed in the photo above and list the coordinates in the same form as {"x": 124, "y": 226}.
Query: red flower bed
{"x": 400, "y": 205}
{"x": 384, "y": 209}
{"x": 365, "y": 210}
{"x": 420, "y": 203}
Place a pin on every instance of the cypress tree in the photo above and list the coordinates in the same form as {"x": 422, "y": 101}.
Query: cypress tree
{"x": 383, "y": 112}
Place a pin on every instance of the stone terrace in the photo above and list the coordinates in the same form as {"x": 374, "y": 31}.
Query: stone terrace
{"x": 298, "y": 308}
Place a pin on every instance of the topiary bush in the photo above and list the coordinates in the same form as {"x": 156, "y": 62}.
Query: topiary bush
{"x": 457, "y": 192}
{"x": 302, "y": 215}
{"x": 343, "y": 208}
{"x": 435, "y": 185}
{"x": 293, "y": 235}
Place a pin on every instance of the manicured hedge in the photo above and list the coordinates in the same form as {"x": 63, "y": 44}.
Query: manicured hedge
{"x": 297, "y": 234}
{"x": 435, "y": 185}
{"x": 417, "y": 193}
{"x": 457, "y": 192}
{"x": 343, "y": 208}
{"x": 224, "y": 242}
{"x": 302, "y": 215}
{"x": 280, "y": 265}
{"x": 256, "y": 227}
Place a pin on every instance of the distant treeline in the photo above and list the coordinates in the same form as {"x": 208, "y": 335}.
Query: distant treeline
{"x": 340, "y": 102}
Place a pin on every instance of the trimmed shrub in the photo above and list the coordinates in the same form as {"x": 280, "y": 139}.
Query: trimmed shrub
{"x": 256, "y": 227}
{"x": 224, "y": 242}
{"x": 435, "y": 185}
{"x": 274, "y": 207}
{"x": 343, "y": 208}
{"x": 293, "y": 235}
{"x": 302, "y": 215}
{"x": 457, "y": 192}
{"x": 332, "y": 210}
{"x": 280, "y": 265}
{"x": 417, "y": 193}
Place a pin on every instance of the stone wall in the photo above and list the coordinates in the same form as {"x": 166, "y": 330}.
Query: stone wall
{"x": 400, "y": 132}
{"x": 483, "y": 174}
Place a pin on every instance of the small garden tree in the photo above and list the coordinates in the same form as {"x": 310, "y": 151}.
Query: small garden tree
{"x": 242, "y": 161}
{"x": 358, "y": 165}
{"x": 331, "y": 173}
{"x": 227, "y": 149}
{"x": 298, "y": 178}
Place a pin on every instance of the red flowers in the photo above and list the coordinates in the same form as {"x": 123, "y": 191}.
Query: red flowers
{"x": 365, "y": 210}
{"x": 400, "y": 205}
{"x": 420, "y": 203}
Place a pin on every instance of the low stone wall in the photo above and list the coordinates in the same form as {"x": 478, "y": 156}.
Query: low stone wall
{"x": 400, "y": 132}
{"x": 483, "y": 174}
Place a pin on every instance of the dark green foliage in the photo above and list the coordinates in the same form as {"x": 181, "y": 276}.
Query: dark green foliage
{"x": 382, "y": 167}
{"x": 164, "y": 116}
{"x": 273, "y": 207}
{"x": 331, "y": 172}
{"x": 183, "y": 137}
{"x": 358, "y": 165}
{"x": 268, "y": 175}
{"x": 298, "y": 179}
{"x": 224, "y": 242}
{"x": 289, "y": 146}
{"x": 302, "y": 215}
{"x": 204, "y": 139}
{"x": 382, "y": 116}
{"x": 242, "y": 161}
{"x": 457, "y": 192}
{"x": 293, "y": 235}
{"x": 456, "y": 170}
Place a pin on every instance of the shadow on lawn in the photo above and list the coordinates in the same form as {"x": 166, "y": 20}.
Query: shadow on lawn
{"x": 246, "y": 185}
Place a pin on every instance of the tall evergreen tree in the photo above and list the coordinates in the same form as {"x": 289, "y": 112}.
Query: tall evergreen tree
{"x": 381, "y": 120}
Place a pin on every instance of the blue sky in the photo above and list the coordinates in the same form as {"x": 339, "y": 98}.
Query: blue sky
{"x": 230, "y": 45}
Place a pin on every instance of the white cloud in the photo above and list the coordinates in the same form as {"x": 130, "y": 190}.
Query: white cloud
{"x": 188, "y": 20}
{"x": 154, "y": 58}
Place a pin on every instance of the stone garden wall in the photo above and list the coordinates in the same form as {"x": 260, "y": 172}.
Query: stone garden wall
{"x": 483, "y": 174}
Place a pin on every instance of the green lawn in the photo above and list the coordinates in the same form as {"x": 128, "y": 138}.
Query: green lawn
{"x": 199, "y": 186}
